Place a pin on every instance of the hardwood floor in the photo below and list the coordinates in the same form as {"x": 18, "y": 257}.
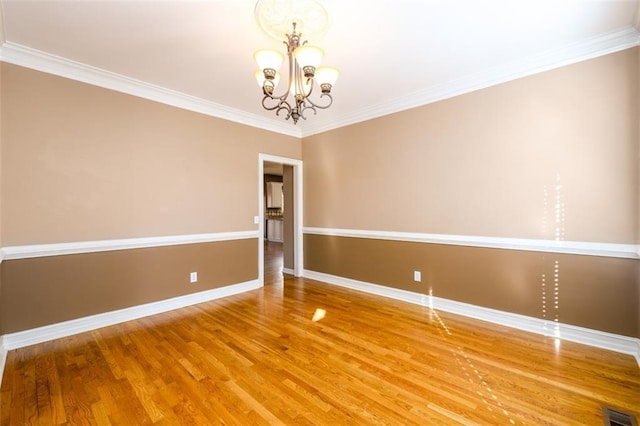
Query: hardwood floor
{"x": 302, "y": 352}
{"x": 273, "y": 263}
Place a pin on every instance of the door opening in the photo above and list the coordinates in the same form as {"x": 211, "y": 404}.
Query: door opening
{"x": 280, "y": 219}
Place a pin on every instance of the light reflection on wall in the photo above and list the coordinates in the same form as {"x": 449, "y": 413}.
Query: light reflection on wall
{"x": 550, "y": 303}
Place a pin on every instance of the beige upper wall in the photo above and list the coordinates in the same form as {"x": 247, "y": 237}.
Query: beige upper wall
{"x": 488, "y": 163}
{"x": 1, "y": 103}
{"x": 637, "y": 94}
{"x": 638, "y": 165}
{"x": 1, "y": 133}
{"x": 85, "y": 163}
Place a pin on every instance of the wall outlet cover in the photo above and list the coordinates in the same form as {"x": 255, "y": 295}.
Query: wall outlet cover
{"x": 193, "y": 277}
{"x": 417, "y": 276}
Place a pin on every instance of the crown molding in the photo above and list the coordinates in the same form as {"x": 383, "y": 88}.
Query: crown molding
{"x": 17, "y": 54}
{"x": 589, "y": 48}
{"x": 583, "y": 50}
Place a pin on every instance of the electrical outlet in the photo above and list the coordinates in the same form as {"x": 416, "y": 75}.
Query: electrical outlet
{"x": 193, "y": 277}
{"x": 256, "y": 219}
{"x": 417, "y": 276}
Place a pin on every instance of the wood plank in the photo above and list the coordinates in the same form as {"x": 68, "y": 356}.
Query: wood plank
{"x": 260, "y": 358}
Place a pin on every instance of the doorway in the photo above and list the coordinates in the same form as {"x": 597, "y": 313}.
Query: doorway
{"x": 292, "y": 248}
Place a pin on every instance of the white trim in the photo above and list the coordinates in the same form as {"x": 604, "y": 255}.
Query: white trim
{"x": 288, "y": 271}
{"x": 261, "y": 221}
{"x": 628, "y": 251}
{"x": 18, "y": 54}
{"x": 582, "y": 50}
{"x": 3, "y": 358}
{"x": 58, "y": 249}
{"x": 81, "y": 325}
{"x": 596, "y": 338}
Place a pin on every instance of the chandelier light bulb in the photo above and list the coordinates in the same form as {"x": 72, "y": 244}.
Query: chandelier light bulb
{"x": 267, "y": 85}
{"x": 268, "y": 59}
{"x": 326, "y": 78}
{"x": 309, "y": 58}
{"x": 259, "y": 77}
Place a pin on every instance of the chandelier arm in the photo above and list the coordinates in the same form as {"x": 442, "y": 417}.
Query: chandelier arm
{"x": 310, "y": 88}
{"x": 284, "y": 96}
{"x": 286, "y": 108}
{"x": 281, "y": 103}
{"x": 328, "y": 95}
{"x": 306, "y": 107}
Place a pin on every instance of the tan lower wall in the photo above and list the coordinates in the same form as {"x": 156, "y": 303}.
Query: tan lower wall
{"x": 49, "y": 290}
{"x": 599, "y": 293}
{"x": 1, "y": 299}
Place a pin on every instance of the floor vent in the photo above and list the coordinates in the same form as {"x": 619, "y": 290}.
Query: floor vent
{"x": 617, "y": 418}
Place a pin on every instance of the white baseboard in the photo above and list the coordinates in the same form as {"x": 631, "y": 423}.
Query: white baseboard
{"x": 3, "y": 358}
{"x": 288, "y": 271}
{"x": 596, "y": 338}
{"x": 80, "y": 325}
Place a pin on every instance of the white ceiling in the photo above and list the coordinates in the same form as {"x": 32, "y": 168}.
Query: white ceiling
{"x": 392, "y": 54}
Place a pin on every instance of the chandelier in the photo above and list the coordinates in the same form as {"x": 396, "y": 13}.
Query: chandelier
{"x": 304, "y": 75}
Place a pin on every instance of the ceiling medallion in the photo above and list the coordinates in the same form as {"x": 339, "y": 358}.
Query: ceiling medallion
{"x": 275, "y": 17}
{"x": 305, "y": 72}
